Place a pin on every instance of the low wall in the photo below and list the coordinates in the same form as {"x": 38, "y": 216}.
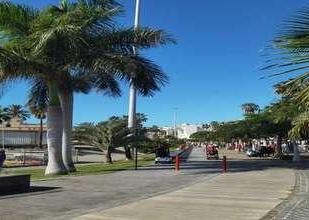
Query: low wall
{"x": 14, "y": 184}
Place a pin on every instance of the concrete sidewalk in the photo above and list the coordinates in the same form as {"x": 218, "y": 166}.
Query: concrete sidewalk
{"x": 242, "y": 195}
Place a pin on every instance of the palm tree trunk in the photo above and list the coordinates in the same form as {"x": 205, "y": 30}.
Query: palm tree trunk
{"x": 54, "y": 133}
{"x": 41, "y": 133}
{"x": 66, "y": 100}
{"x": 109, "y": 155}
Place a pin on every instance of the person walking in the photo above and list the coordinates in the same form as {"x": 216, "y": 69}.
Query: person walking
{"x": 2, "y": 157}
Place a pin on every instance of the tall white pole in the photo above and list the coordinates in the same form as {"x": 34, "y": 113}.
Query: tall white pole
{"x": 132, "y": 95}
{"x": 175, "y": 122}
{"x": 2, "y": 135}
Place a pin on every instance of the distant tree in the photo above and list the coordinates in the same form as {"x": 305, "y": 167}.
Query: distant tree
{"x": 39, "y": 113}
{"x": 283, "y": 113}
{"x": 4, "y": 116}
{"x": 17, "y": 111}
{"x": 214, "y": 125}
{"x": 37, "y": 104}
{"x": 203, "y": 136}
{"x": 250, "y": 108}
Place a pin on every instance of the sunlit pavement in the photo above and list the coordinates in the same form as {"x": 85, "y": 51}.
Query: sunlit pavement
{"x": 198, "y": 186}
{"x": 242, "y": 194}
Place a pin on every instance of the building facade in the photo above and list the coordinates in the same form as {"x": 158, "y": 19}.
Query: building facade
{"x": 183, "y": 131}
{"x": 18, "y": 134}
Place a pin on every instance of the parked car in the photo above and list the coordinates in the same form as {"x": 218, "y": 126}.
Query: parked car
{"x": 263, "y": 152}
{"x": 252, "y": 153}
{"x": 163, "y": 155}
{"x": 163, "y": 160}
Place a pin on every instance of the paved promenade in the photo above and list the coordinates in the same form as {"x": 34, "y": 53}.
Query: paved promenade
{"x": 242, "y": 195}
{"x": 199, "y": 191}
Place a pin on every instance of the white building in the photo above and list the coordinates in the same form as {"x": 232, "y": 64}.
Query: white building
{"x": 168, "y": 131}
{"x": 20, "y": 134}
{"x": 184, "y": 131}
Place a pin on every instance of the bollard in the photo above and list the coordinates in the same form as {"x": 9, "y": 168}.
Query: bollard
{"x": 224, "y": 164}
{"x": 177, "y": 163}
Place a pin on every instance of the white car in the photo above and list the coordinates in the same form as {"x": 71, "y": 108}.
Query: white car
{"x": 163, "y": 160}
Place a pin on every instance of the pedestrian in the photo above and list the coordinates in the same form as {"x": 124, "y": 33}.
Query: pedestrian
{"x": 2, "y": 157}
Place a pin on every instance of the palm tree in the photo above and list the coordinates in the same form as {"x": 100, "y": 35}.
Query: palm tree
{"x": 290, "y": 54}
{"x": 37, "y": 104}
{"x": 18, "y": 62}
{"x": 17, "y": 111}
{"x": 39, "y": 113}
{"x": 4, "y": 117}
{"x": 115, "y": 52}
{"x": 80, "y": 40}
{"x": 250, "y": 108}
{"x": 105, "y": 135}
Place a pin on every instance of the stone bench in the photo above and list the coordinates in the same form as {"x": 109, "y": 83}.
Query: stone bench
{"x": 14, "y": 184}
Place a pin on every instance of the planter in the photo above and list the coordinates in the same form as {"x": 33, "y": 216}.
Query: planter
{"x": 14, "y": 184}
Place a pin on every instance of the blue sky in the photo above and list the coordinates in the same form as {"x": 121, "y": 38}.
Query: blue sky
{"x": 213, "y": 69}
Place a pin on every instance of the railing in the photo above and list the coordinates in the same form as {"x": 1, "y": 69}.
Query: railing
{"x": 22, "y": 138}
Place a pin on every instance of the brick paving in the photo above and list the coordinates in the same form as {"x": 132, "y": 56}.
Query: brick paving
{"x": 296, "y": 206}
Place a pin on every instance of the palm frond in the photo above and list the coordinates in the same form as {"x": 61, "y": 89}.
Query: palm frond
{"x": 38, "y": 94}
{"x": 147, "y": 77}
{"x": 16, "y": 19}
{"x": 123, "y": 40}
{"x": 300, "y": 126}
{"x": 290, "y": 49}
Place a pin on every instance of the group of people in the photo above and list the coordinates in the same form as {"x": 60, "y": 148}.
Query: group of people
{"x": 255, "y": 145}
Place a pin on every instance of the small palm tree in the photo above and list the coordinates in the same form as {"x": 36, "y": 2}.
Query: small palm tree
{"x": 105, "y": 135}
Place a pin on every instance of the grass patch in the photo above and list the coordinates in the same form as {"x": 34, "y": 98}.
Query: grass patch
{"x": 81, "y": 169}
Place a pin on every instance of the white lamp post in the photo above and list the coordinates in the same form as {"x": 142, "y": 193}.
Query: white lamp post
{"x": 2, "y": 135}
{"x": 132, "y": 95}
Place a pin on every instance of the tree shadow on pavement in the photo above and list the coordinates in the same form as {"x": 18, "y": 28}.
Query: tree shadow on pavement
{"x": 33, "y": 189}
{"x": 215, "y": 166}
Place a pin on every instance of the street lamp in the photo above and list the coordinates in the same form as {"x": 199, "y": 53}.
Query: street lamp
{"x": 132, "y": 95}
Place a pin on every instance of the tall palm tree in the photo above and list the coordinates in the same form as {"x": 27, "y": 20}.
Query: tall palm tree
{"x": 18, "y": 62}
{"x": 110, "y": 55}
{"x": 75, "y": 39}
{"x": 290, "y": 56}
